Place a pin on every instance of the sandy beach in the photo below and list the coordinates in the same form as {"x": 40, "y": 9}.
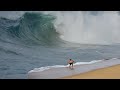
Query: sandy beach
{"x": 106, "y": 69}
{"x": 112, "y": 72}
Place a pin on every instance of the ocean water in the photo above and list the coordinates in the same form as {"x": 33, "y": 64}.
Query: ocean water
{"x": 41, "y": 40}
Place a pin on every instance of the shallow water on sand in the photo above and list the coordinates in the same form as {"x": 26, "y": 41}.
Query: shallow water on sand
{"x": 60, "y": 72}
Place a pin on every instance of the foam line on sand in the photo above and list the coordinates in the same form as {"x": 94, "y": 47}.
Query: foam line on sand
{"x": 60, "y": 72}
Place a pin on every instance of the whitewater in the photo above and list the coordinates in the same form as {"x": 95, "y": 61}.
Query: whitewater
{"x": 41, "y": 41}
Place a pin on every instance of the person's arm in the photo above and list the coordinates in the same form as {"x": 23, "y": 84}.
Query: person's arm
{"x": 73, "y": 61}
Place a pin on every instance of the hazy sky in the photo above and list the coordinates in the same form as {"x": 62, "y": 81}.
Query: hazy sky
{"x": 10, "y": 14}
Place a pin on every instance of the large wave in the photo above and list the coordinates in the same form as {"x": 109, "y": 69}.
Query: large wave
{"x": 47, "y": 27}
{"x": 32, "y": 28}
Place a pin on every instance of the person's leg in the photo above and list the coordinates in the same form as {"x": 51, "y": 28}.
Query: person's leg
{"x": 69, "y": 65}
{"x": 72, "y": 65}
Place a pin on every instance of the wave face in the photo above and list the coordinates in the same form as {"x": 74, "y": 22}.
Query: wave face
{"x": 32, "y": 28}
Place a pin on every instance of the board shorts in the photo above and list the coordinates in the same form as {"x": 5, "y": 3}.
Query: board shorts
{"x": 71, "y": 63}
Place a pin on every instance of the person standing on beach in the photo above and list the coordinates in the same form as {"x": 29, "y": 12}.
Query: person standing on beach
{"x": 70, "y": 62}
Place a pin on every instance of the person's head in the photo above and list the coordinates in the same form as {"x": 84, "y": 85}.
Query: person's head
{"x": 70, "y": 59}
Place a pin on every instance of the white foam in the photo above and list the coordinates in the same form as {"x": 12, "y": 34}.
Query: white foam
{"x": 84, "y": 27}
{"x": 58, "y": 66}
{"x": 45, "y": 68}
{"x": 94, "y": 61}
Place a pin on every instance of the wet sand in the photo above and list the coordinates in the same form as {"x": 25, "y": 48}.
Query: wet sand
{"x": 112, "y": 72}
{"x": 95, "y": 70}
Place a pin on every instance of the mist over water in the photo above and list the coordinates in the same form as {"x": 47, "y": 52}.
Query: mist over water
{"x": 45, "y": 39}
{"x": 89, "y": 27}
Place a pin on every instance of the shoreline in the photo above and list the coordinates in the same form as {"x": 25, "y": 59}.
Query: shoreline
{"x": 58, "y": 73}
{"x": 111, "y": 72}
